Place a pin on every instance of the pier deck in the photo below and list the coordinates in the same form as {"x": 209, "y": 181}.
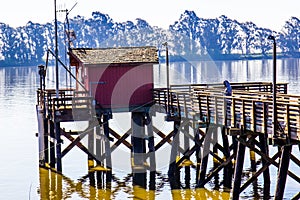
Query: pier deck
{"x": 250, "y": 106}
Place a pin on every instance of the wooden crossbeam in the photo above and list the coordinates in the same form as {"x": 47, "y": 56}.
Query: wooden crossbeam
{"x": 121, "y": 139}
{"x": 259, "y": 172}
{"x": 76, "y": 142}
{"x": 217, "y": 169}
{"x": 268, "y": 159}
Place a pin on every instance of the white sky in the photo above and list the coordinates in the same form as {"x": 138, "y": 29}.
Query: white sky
{"x": 264, "y": 13}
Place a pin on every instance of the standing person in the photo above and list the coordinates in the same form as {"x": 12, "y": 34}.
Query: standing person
{"x": 228, "y": 88}
{"x": 227, "y": 103}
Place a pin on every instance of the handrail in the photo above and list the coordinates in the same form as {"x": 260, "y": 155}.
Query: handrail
{"x": 69, "y": 71}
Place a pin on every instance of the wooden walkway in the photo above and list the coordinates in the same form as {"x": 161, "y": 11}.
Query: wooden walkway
{"x": 247, "y": 118}
{"x": 250, "y": 106}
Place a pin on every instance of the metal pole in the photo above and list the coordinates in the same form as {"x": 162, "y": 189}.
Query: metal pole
{"x": 57, "y": 124}
{"x": 56, "y": 50}
{"x": 168, "y": 79}
{"x": 275, "y": 125}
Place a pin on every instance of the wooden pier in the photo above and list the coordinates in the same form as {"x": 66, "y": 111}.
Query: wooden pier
{"x": 199, "y": 113}
{"x": 205, "y": 124}
{"x": 245, "y": 120}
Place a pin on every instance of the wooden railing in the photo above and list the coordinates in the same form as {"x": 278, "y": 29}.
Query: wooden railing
{"x": 70, "y": 105}
{"x": 250, "y": 106}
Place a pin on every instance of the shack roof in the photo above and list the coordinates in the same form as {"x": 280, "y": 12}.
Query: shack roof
{"x": 146, "y": 54}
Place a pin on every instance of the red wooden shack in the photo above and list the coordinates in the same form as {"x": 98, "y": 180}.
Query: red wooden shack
{"x": 118, "y": 78}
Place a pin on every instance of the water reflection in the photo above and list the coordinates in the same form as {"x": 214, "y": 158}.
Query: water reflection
{"x": 57, "y": 186}
{"x": 234, "y": 71}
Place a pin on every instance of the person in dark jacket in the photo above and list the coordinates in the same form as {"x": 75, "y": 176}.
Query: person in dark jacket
{"x": 227, "y": 105}
{"x": 228, "y": 88}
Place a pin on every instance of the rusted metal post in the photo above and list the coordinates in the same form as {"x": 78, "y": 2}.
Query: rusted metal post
{"x": 283, "y": 171}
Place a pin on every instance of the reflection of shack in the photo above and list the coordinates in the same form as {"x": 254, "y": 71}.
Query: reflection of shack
{"x": 120, "y": 79}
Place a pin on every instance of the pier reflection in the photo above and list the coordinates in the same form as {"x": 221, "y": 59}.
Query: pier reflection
{"x": 146, "y": 186}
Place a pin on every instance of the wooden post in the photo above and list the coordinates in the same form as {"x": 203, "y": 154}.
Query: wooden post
{"x": 91, "y": 146}
{"x": 283, "y": 170}
{"x": 206, "y": 146}
{"x": 99, "y": 150}
{"x": 51, "y": 143}
{"x": 197, "y": 153}
{"x": 138, "y": 149}
{"x": 151, "y": 148}
{"x": 41, "y": 135}
{"x": 58, "y": 147}
{"x": 187, "y": 169}
{"x": 252, "y": 159}
{"x": 266, "y": 173}
{"x": 234, "y": 148}
{"x": 172, "y": 172}
{"x": 106, "y": 118}
{"x": 228, "y": 167}
{"x": 138, "y": 139}
{"x": 46, "y": 140}
{"x": 238, "y": 167}
{"x": 151, "y": 145}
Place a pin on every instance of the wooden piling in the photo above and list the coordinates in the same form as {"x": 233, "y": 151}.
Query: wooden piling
{"x": 52, "y": 144}
{"x": 228, "y": 168}
{"x": 41, "y": 135}
{"x": 99, "y": 133}
{"x": 252, "y": 159}
{"x": 91, "y": 146}
{"x": 138, "y": 141}
{"x": 197, "y": 153}
{"x": 107, "y": 148}
{"x": 172, "y": 172}
{"x": 58, "y": 147}
{"x": 283, "y": 171}
{"x": 238, "y": 168}
{"x": 266, "y": 173}
{"x": 206, "y": 146}
{"x": 151, "y": 145}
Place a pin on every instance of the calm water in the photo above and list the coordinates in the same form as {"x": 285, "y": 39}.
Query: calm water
{"x": 21, "y": 178}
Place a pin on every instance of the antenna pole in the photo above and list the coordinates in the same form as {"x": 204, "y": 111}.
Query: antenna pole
{"x": 56, "y": 51}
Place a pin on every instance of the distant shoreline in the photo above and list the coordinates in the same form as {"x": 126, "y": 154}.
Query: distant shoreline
{"x": 180, "y": 58}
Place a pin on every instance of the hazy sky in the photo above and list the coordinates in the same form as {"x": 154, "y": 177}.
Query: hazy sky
{"x": 264, "y": 13}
